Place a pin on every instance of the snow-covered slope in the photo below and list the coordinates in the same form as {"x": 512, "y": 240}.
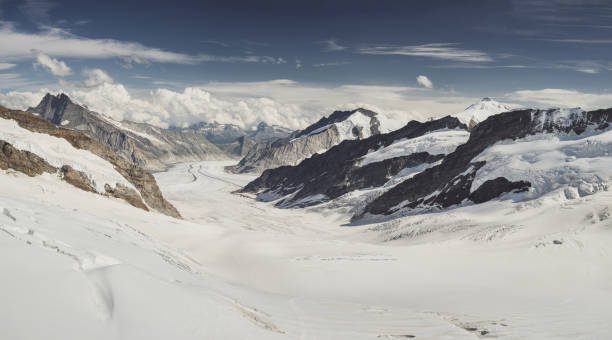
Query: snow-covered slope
{"x": 578, "y": 164}
{"x": 58, "y": 152}
{"x": 34, "y": 146}
{"x": 480, "y": 111}
{"x": 79, "y": 266}
{"x": 360, "y": 124}
{"x": 443, "y": 141}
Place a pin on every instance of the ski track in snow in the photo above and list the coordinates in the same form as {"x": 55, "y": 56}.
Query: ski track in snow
{"x": 79, "y": 265}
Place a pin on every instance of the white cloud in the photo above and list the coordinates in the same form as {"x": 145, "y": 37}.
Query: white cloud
{"x": 6, "y": 66}
{"x": 96, "y": 77}
{"x": 61, "y": 43}
{"x": 424, "y": 81}
{"x": 331, "y": 45}
{"x": 446, "y": 51}
{"x": 563, "y": 98}
{"x": 56, "y": 67}
{"x": 336, "y": 63}
{"x": 21, "y": 100}
{"x": 588, "y": 70}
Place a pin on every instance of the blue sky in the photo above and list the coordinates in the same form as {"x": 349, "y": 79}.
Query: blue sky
{"x": 287, "y": 61}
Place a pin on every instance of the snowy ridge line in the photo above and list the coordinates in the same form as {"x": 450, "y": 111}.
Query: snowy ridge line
{"x": 442, "y": 141}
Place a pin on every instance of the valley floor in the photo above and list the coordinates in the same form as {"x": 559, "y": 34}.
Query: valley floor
{"x": 79, "y": 266}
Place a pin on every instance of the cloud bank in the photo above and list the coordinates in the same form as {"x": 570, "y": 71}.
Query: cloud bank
{"x": 283, "y": 101}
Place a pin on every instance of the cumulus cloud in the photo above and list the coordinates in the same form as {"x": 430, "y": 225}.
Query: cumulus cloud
{"x": 6, "y": 66}
{"x": 57, "y": 42}
{"x": 446, "y": 51}
{"x": 563, "y": 98}
{"x": 96, "y": 77}
{"x": 21, "y": 100}
{"x": 424, "y": 81}
{"x": 56, "y": 67}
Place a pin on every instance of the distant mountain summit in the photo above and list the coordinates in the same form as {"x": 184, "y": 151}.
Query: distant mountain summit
{"x": 480, "y": 111}
{"x": 316, "y": 138}
{"x": 265, "y": 132}
{"x": 220, "y": 133}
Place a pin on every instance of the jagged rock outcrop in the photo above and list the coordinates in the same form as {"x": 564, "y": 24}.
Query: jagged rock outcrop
{"x": 449, "y": 183}
{"x": 22, "y": 161}
{"x": 150, "y": 147}
{"x": 29, "y": 163}
{"x": 316, "y": 138}
{"x": 495, "y": 187}
{"x": 331, "y": 174}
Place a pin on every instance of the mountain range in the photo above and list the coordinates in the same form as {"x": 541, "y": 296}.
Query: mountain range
{"x": 467, "y": 158}
{"x": 152, "y": 147}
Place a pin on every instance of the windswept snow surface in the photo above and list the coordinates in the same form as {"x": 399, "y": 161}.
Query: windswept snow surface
{"x": 58, "y": 152}
{"x": 436, "y": 142}
{"x": 80, "y": 266}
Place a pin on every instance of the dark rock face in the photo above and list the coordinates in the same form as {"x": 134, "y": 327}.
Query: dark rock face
{"x": 143, "y": 181}
{"x": 495, "y": 187}
{"x": 335, "y": 172}
{"x": 449, "y": 183}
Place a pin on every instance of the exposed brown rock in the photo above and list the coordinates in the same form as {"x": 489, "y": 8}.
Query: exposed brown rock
{"x": 76, "y": 178}
{"x": 127, "y": 194}
{"x": 22, "y": 161}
